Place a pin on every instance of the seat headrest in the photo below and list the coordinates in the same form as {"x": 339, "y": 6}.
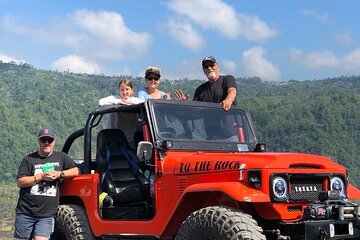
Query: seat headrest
{"x": 111, "y": 137}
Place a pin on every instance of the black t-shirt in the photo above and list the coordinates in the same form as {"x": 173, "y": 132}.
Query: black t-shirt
{"x": 215, "y": 91}
{"x": 42, "y": 199}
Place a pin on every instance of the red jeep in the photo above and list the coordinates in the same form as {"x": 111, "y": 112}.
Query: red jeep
{"x": 190, "y": 170}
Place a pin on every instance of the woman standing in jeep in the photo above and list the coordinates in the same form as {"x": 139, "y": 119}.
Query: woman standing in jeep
{"x": 125, "y": 97}
{"x": 152, "y": 81}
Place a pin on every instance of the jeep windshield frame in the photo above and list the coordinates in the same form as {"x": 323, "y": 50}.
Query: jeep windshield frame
{"x": 201, "y": 126}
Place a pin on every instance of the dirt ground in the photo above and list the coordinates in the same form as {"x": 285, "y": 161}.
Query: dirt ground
{"x": 6, "y": 224}
{"x": 6, "y": 235}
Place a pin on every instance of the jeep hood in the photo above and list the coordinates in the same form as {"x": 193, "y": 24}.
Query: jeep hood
{"x": 252, "y": 160}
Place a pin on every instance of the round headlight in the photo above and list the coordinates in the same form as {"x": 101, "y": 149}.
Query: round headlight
{"x": 337, "y": 184}
{"x": 280, "y": 188}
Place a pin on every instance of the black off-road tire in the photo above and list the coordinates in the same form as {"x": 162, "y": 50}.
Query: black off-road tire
{"x": 72, "y": 224}
{"x": 220, "y": 223}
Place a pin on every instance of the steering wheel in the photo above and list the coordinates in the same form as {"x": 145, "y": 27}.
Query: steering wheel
{"x": 167, "y": 134}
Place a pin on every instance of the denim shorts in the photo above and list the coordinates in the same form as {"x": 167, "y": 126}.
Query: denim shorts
{"x": 28, "y": 226}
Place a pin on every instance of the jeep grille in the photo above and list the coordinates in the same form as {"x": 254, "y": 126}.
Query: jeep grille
{"x": 305, "y": 188}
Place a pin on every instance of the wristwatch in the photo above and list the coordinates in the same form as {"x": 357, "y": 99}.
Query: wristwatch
{"x": 62, "y": 175}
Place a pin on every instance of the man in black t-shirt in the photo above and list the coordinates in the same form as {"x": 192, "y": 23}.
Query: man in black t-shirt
{"x": 219, "y": 89}
{"x": 38, "y": 178}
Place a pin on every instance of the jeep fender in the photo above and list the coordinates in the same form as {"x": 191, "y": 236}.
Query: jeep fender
{"x": 234, "y": 190}
{"x": 353, "y": 192}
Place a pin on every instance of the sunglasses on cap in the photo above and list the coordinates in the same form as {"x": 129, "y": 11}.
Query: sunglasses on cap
{"x": 205, "y": 66}
{"x": 153, "y": 78}
{"x": 46, "y": 139}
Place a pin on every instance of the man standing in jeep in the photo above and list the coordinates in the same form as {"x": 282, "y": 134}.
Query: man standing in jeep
{"x": 219, "y": 88}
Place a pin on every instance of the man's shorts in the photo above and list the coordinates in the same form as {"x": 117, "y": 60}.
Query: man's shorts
{"x": 26, "y": 226}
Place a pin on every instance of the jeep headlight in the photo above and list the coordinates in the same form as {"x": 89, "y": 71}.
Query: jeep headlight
{"x": 337, "y": 184}
{"x": 280, "y": 188}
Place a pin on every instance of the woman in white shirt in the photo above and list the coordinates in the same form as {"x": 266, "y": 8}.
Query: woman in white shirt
{"x": 125, "y": 97}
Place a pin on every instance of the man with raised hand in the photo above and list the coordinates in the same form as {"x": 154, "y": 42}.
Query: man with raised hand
{"x": 219, "y": 89}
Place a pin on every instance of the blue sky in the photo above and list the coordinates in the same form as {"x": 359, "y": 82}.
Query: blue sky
{"x": 275, "y": 40}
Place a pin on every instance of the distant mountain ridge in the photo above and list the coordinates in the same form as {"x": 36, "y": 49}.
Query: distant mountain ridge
{"x": 320, "y": 117}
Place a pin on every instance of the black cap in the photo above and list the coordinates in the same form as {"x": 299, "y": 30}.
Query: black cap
{"x": 208, "y": 58}
{"x": 152, "y": 70}
{"x": 46, "y": 132}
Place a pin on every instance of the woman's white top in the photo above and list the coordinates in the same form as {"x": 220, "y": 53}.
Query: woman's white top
{"x": 113, "y": 99}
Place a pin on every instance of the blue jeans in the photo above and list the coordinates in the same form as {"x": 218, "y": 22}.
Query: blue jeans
{"x": 28, "y": 226}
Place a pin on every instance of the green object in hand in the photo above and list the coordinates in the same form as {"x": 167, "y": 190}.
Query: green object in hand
{"x": 47, "y": 166}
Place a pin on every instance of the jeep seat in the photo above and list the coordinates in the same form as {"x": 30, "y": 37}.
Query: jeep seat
{"x": 119, "y": 179}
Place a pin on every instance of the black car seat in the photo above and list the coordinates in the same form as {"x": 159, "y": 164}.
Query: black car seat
{"x": 121, "y": 177}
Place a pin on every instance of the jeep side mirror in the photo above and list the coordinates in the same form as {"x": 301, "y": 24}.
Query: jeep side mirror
{"x": 144, "y": 151}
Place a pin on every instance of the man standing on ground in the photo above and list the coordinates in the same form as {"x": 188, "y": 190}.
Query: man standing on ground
{"x": 39, "y": 176}
{"x": 219, "y": 89}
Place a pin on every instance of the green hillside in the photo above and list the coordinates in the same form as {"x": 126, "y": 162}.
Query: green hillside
{"x": 321, "y": 117}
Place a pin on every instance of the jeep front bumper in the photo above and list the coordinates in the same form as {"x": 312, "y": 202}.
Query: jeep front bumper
{"x": 322, "y": 229}
{"x": 326, "y": 220}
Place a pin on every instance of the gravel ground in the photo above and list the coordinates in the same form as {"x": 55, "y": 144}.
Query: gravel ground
{"x": 6, "y": 224}
{"x": 6, "y": 235}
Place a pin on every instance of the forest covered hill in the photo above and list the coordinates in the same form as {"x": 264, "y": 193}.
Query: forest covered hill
{"x": 320, "y": 117}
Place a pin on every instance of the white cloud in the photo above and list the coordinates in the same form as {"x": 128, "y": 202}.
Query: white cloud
{"x": 253, "y": 28}
{"x": 344, "y": 38}
{"x": 9, "y": 23}
{"x": 321, "y": 59}
{"x": 107, "y": 34}
{"x": 314, "y": 60}
{"x": 257, "y": 65}
{"x": 185, "y": 34}
{"x": 124, "y": 71}
{"x": 75, "y": 64}
{"x": 327, "y": 60}
{"x": 98, "y": 35}
{"x": 9, "y": 59}
{"x": 295, "y": 54}
{"x": 190, "y": 69}
{"x": 229, "y": 66}
{"x": 221, "y": 17}
{"x": 351, "y": 61}
{"x": 322, "y": 17}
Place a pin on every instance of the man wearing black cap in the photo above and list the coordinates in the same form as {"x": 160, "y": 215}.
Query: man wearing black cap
{"x": 219, "y": 89}
{"x": 38, "y": 178}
